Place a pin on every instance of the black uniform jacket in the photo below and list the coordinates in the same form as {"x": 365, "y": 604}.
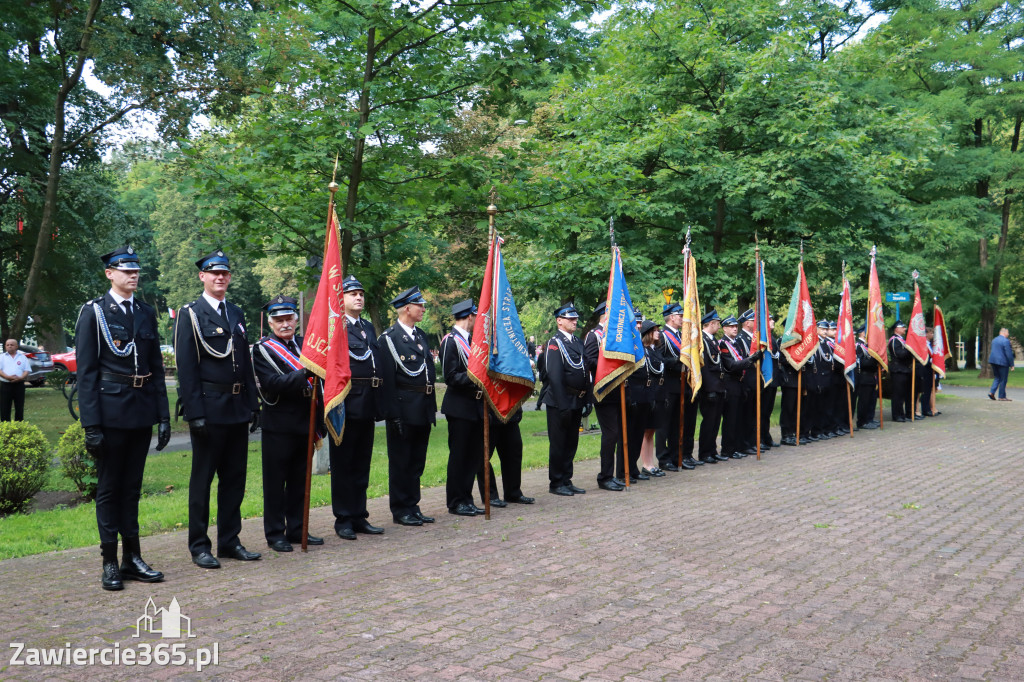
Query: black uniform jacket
{"x": 197, "y": 369}
{"x": 673, "y": 365}
{"x": 646, "y": 385}
{"x": 747, "y": 340}
{"x": 818, "y": 370}
{"x": 867, "y": 366}
{"x": 405, "y": 395}
{"x": 900, "y": 358}
{"x": 785, "y": 375}
{"x": 364, "y": 400}
{"x": 462, "y": 398}
{"x": 591, "y": 352}
{"x": 285, "y": 391}
{"x": 735, "y": 370}
{"x": 568, "y": 384}
{"x": 713, "y": 373}
{"x": 114, "y": 404}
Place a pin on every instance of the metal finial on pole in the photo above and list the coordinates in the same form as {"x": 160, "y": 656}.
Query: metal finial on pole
{"x": 874, "y": 251}
{"x": 801, "y": 249}
{"x": 611, "y": 230}
{"x": 915, "y": 274}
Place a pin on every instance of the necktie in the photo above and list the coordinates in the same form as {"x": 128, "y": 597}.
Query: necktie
{"x": 129, "y": 314}
{"x": 222, "y": 311}
{"x": 291, "y": 346}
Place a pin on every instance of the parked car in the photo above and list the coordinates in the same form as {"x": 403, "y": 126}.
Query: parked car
{"x": 40, "y": 364}
{"x": 65, "y": 361}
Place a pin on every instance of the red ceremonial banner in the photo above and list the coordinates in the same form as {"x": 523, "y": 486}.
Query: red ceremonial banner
{"x": 325, "y": 347}
{"x": 917, "y": 341}
{"x": 876, "y": 320}
{"x": 940, "y": 344}
{"x": 800, "y": 339}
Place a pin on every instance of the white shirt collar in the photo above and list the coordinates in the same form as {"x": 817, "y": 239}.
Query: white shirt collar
{"x": 674, "y": 330}
{"x": 460, "y": 330}
{"x": 352, "y": 320}
{"x": 567, "y": 335}
{"x": 411, "y": 331}
{"x": 118, "y": 299}
{"x": 214, "y": 303}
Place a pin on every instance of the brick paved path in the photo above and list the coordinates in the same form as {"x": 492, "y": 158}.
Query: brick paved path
{"x": 894, "y": 555}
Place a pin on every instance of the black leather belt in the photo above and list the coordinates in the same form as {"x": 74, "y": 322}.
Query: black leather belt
{"x": 428, "y": 388}
{"x": 126, "y": 379}
{"x": 375, "y": 382}
{"x": 233, "y": 389}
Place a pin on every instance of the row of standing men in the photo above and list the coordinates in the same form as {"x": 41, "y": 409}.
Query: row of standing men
{"x": 226, "y": 392}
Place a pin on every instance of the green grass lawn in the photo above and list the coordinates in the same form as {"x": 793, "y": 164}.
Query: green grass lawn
{"x": 971, "y": 378}
{"x": 164, "y": 504}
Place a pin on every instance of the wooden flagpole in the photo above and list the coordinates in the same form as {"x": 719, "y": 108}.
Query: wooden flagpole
{"x": 799, "y": 400}
{"x": 491, "y": 211}
{"x": 757, "y": 307}
{"x": 683, "y": 368}
{"x": 881, "y": 403}
{"x": 622, "y": 386}
{"x": 849, "y": 405}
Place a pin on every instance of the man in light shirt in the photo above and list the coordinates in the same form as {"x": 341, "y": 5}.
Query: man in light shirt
{"x": 14, "y": 367}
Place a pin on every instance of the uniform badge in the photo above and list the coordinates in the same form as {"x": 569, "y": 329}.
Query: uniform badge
{"x": 363, "y": 333}
{"x": 220, "y": 330}
{"x": 420, "y": 346}
{"x": 129, "y": 250}
{"x": 117, "y": 343}
{"x": 402, "y": 358}
{"x": 412, "y": 357}
{"x": 114, "y": 307}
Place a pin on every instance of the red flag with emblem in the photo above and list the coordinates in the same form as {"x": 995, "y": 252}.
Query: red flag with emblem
{"x": 917, "y": 341}
{"x": 940, "y": 343}
{"x": 800, "y": 339}
{"x": 875, "y": 333}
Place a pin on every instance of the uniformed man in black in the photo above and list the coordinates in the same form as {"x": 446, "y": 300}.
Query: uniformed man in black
{"x": 609, "y": 415}
{"x": 677, "y": 388}
{"x": 409, "y": 406}
{"x": 286, "y": 389}
{"x": 219, "y": 400}
{"x": 463, "y": 407}
{"x": 121, "y": 395}
{"x": 867, "y": 383}
{"x": 840, "y": 421}
{"x": 568, "y": 387}
{"x": 350, "y": 459}
{"x": 751, "y": 384}
{"x": 736, "y": 365}
{"x": 712, "y": 391}
{"x": 924, "y": 382}
{"x": 770, "y": 392}
{"x": 818, "y": 388}
{"x": 901, "y": 364}
{"x": 789, "y": 379}
{"x": 507, "y": 439}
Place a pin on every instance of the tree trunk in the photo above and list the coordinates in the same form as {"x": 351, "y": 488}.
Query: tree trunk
{"x": 969, "y": 346}
{"x": 69, "y": 83}
{"x": 355, "y": 175}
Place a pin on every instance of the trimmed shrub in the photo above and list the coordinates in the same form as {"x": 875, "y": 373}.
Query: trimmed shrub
{"x": 75, "y": 462}
{"x": 24, "y": 459}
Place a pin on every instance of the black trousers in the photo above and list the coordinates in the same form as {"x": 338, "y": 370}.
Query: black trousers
{"x": 787, "y": 413}
{"x": 733, "y": 428}
{"x": 563, "y": 439}
{"x": 609, "y": 416}
{"x": 711, "y": 406}
{"x": 507, "y": 439}
{"x": 407, "y": 455}
{"x": 867, "y": 396}
{"x": 224, "y": 452}
{"x": 637, "y": 414}
{"x": 817, "y": 411}
{"x": 465, "y": 457}
{"x": 12, "y": 393}
{"x": 667, "y": 439}
{"x": 119, "y": 481}
{"x": 350, "y": 472}
{"x": 900, "y": 396}
{"x": 840, "y": 407}
{"x": 768, "y": 396}
{"x": 924, "y": 389}
{"x": 749, "y": 418}
{"x": 284, "y": 484}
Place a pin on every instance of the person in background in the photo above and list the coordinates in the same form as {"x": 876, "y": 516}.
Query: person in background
{"x": 1001, "y": 361}
{"x": 14, "y": 369}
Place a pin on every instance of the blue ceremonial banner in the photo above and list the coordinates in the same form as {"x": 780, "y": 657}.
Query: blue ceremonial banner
{"x": 622, "y": 352}
{"x": 499, "y": 362}
{"x": 765, "y": 334}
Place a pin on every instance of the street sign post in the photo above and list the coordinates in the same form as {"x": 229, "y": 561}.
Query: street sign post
{"x": 897, "y": 297}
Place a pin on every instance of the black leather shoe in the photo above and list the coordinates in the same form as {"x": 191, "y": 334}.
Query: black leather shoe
{"x": 900, "y": 420}
{"x": 310, "y": 540}
{"x": 112, "y": 577}
{"x": 280, "y": 546}
{"x": 576, "y": 490}
{"x": 498, "y": 502}
{"x": 132, "y": 565}
{"x": 710, "y": 459}
{"x": 789, "y": 441}
{"x": 479, "y": 510}
{"x": 562, "y": 490}
{"x": 408, "y": 520}
{"x": 364, "y": 526}
{"x": 722, "y": 457}
{"x": 522, "y": 499}
{"x": 656, "y": 472}
{"x": 239, "y": 553}
{"x": 695, "y": 461}
{"x": 205, "y": 560}
{"x": 688, "y": 464}
{"x": 423, "y": 517}
{"x": 737, "y": 455}
{"x": 611, "y": 485}
{"x": 641, "y": 476}
{"x": 765, "y": 447}
{"x": 345, "y": 533}
{"x": 669, "y": 466}
{"x": 462, "y": 509}
{"x": 870, "y": 425}
{"x": 749, "y": 451}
